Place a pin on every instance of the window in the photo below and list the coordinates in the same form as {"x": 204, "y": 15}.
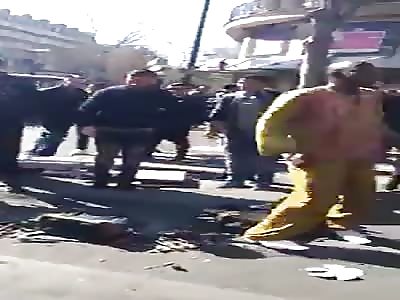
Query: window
{"x": 313, "y": 4}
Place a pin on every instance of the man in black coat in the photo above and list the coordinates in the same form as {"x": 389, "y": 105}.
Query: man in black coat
{"x": 59, "y": 112}
{"x": 127, "y": 118}
{"x": 194, "y": 111}
{"x": 236, "y": 115}
{"x": 18, "y": 103}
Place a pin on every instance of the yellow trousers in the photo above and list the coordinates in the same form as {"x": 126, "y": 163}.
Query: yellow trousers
{"x": 339, "y": 193}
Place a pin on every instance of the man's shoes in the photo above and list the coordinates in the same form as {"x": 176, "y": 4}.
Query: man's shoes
{"x": 261, "y": 187}
{"x": 233, "y": 184}
{"x": 99, "y": 185}
{"x": 78, "y": 152}
{"x": 126, "y": 187}
{"x": 223, "y": 176}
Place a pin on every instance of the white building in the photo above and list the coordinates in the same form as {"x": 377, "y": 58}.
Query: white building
{"x": 271, "y": 33}
{"x": 22, "y": 39}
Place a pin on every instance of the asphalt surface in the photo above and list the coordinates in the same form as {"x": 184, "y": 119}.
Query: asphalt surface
{"x": 216, "y": 270}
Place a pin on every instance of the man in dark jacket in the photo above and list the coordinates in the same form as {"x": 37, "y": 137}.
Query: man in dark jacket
{"x": 59, "y": 113}
{"x": 193, "y": 108}
{"x": 236, "y": 115}
{"x": 367, "y": 75}
{"x": 126, "y": 118}
{"x": 18, "y": 97}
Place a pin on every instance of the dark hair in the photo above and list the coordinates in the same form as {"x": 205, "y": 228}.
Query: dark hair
{"x": 363, "y": 66}
{"x": 181, "y": 85}
{"x": 350, "y": 86}
{"x": 230, "y": 86}
{"x": 143, "y": 72}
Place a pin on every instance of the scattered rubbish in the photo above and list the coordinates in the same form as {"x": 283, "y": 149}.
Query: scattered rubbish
{"x": 153, "y": 251}
{"x": 337, "y": 272}
{"x": 167, "y": 244}
{"x": 152, "y": 267}
{"x": 207, "y": 261}
{"x": 102, "y": 260}
{"x": 44, "y": 238}
{"x": 162, "y": 249}
{"x": 179, "y": 268}
{"x": 84, "y": 227}
{"x": 7, "y": 229}
{"x": 320, "y": 272}
{"x": 166, "y": 265}
{"x": 397, "y": 212}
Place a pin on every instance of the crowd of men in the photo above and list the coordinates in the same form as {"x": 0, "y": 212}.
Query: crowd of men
{"x": 333, "y": 133}
{"x": 131, "y": 118}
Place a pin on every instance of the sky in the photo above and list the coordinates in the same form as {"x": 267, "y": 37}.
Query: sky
{"x": 169, "y": 26}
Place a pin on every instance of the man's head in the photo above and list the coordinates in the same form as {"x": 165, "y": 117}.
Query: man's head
{"x": 230, "y": 88}
{"x": 180, "y": 89}
{"x": 364, "y": 74}
{"x": 344, "y": 83}
{"x": 255, "y": 83}
{"x": 142, "y": 78}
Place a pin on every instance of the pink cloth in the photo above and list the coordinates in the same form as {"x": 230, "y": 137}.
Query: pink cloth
{"x": 333, "y": 126}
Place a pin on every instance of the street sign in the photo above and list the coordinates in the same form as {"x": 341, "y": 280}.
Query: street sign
{"x": 358, "y": 41}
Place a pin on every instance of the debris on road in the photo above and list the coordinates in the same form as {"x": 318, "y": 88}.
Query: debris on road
{"x": 164, "y": 265}
{"x": 173, "y": 265}
{"x": 337, "y": 272}
{"x": 179, "y": 268}
{"x": 171, "y": 243}
{"x": 236, "y": 219}
{"x": 8, "y": 229}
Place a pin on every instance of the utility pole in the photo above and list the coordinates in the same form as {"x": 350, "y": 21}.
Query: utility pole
{"x": 197, "y": 42}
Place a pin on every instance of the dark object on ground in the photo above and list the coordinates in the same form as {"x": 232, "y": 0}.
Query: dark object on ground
{"x": 84, "y": 227}
{"x": 179, "y": 268}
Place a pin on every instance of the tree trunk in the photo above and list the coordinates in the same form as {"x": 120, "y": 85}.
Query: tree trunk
{"x": 313, "y": 71}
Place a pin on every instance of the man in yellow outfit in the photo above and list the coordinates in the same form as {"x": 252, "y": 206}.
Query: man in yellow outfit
{"x": 335, "y": 135}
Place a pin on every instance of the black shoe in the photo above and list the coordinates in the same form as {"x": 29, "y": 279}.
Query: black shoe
{"x": 99, "y": 185}
{"x": 223, "y": 176}
{"x": 233, "y": 184}
{"x": 126, "y": 187}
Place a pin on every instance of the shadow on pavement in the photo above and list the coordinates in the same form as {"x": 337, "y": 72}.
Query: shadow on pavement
{"x": 372, "y": 256}
{"x": 384, "y": 212}
{"x": 160, "y": 219}
{"x": 155, "y": 218}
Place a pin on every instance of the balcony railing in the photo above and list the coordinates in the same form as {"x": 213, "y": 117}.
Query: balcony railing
{"x": 257, "y": 7}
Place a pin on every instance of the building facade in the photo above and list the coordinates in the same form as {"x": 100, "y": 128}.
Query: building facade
{"x": 23, "y": 40}
{"x": 272, "y": 32}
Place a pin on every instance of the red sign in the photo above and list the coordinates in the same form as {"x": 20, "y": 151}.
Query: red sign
{"x": 357, "y": 41}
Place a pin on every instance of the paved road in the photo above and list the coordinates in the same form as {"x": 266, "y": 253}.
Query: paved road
{"x": 84, "y": 271}
{"x": 198, "y": 141}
